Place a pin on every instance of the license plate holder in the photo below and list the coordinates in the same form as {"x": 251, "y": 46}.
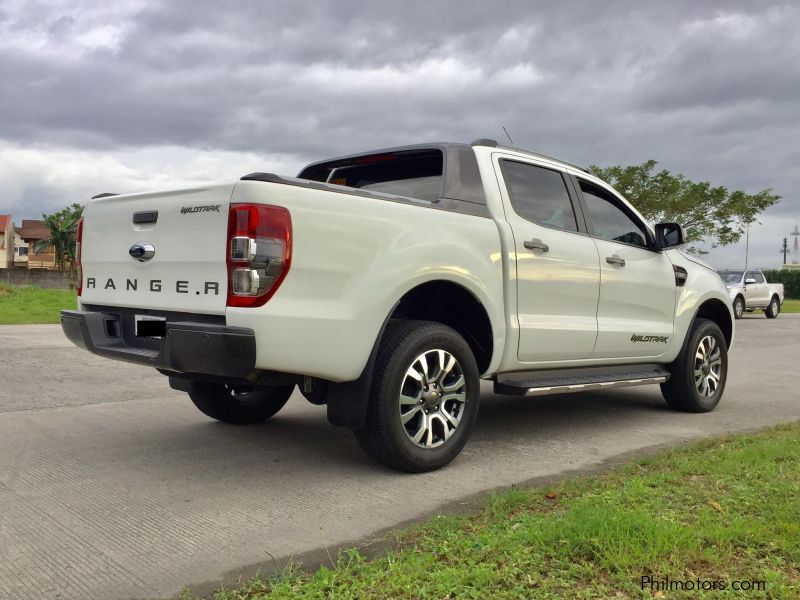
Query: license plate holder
{"x": 150, "y": 326}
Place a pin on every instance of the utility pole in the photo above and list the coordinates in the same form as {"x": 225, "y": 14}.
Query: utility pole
{"x": 746, "y": 247}
{"x": 796, "y": 234}
{"x": 785, "y": 249}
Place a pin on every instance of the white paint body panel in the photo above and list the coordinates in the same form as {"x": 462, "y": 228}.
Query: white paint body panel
{"x": 638, "y": 298}
{"x": 189, "y": 247}
{"x": 353, "y": 258}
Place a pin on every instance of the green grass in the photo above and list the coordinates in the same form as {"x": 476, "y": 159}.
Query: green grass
{"x": 790, "y": 306}
{"x": 33, "y": 305}
{"x": 725, "y": 509}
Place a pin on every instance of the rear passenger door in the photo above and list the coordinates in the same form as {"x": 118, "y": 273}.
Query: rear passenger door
{"x": 558, "y": 272}
{"x": 636, "y": 309}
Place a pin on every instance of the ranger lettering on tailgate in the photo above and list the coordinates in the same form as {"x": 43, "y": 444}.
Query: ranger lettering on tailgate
{"x": 154, "y": 285}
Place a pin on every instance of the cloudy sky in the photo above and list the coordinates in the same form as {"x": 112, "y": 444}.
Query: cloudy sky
{"x": 138, "y": 95}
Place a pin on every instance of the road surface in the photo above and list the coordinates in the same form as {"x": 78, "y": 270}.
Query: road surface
{"x": 112, "y": 485}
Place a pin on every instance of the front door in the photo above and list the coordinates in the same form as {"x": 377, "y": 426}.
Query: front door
{"x": 637, "y": 284}
{"x": 558, "y": 273}
{"x": 755, "y": 294}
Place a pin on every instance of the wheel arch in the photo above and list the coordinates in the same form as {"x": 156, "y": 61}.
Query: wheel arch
{"x": 717, "y": 311}
{"x": 347, "y": 402}
{"x": 453, "y": 305}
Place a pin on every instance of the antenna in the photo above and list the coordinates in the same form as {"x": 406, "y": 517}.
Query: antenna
{"x": 509, "y": 137}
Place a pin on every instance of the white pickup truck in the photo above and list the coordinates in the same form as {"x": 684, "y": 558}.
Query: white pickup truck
{"x": 387, "y": 284}
{"x": 750, "y": 291}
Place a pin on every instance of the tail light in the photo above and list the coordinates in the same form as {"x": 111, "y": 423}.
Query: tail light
{"x": 78, "y": 242}
{"x": 259, "y": 252}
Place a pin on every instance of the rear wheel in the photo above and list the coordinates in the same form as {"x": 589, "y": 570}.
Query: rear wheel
{"x": 424, "y": 398}
{"x": 738, "y": 307}
{"x": 239, "y": 405}
{"x": 773, "y": 309}
{"x": 698, "y": 375}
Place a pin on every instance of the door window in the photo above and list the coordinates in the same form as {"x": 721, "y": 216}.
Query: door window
{"x": 539, "y": 195}
{"x": 756, "y": 275}
{"x": 610, "y": 222}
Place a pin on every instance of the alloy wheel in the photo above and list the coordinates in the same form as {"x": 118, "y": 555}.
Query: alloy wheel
{"x": 707, "y": 366}
{"x": 433, "y": 395}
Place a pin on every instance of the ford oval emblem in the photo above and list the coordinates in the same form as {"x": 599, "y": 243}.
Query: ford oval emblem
{"x": 142, "y": 251}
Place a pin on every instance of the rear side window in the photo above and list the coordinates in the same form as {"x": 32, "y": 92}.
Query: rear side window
{"x": 609, "y": 221}
{"x": 415, "y": 174}
{"x": 539, "y": 195}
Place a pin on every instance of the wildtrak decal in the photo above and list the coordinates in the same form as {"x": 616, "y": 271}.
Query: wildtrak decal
{"x": 649, "y": 338}
{"x": 197, "y": 209}
{"x": 208, "y": 288}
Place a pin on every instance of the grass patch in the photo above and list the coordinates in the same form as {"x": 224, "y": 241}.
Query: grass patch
{"x": 20, "y": 305}
{"x": 790, "y": 305}
{"x": 722, "y": 510}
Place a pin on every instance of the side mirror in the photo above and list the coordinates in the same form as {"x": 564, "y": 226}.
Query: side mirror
{"x": 749, "y": 280}
{"x": 669, "y": 235}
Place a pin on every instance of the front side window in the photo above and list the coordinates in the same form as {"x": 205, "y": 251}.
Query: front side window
{"x": 539, "y": 195}
{"x": 609, "y": 221}
{"x": 756, "y": 275}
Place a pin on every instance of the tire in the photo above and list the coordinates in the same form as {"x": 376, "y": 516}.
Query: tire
{"x": 438, "y": 418}
{"x": 774, "y": 308}
{"x": 237, "y": 405}
{"x": 696, "y": 384}
{"x": 738, "y": 307}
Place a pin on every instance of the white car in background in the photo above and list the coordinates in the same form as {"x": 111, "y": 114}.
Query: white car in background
{"x": 750, "y": 291}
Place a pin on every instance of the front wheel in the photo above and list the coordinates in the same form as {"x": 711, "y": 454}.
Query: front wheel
{"x": 239, "y": 405}
{"x": 698, "y": 375}
{"x": 773, "y": 309}
{"x": 424, "y": 397}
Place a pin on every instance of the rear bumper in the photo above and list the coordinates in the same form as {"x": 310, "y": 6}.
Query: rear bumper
{"x": 202, "y": 348}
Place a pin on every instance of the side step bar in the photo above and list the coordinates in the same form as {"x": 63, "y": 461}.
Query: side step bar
{"x": 563, "y": 381}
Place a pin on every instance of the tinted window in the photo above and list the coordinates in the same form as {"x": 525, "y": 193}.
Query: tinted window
{"x": 608, "y": 220}
{"x": 731, "y": 276}
{"x": 755, "y": 275}
{"x": 539, "y": 195}
{"x": 417, "y": 173}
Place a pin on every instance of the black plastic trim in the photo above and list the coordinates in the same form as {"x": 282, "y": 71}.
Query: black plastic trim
{"x": 348, "y": 402}
{"x": 104, "y": 195}
{"x": 448, "y": 204}
{"x": 145, "y": 216}
{"x": 518, "y": 383}
{"x": 460, "y": 174}
{"x": 488, "y": 142}
{"x": 187, "y": 347}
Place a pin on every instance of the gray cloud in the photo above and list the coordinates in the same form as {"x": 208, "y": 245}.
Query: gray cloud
{"x": 706, "y": 88}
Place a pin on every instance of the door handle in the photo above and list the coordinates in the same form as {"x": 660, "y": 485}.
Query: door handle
{"x": 536, "y": 244}
{"x": 615, "y": 260}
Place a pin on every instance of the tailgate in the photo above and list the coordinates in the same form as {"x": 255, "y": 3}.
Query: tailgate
{"x": 187, "y": 271}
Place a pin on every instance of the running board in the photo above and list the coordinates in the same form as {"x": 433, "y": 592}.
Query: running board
{"x": 564, "y": 381}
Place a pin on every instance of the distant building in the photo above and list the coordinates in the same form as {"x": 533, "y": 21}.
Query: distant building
{"x": 21, "y": 249}
{"x": 31, "y": 232}
{"x": 6, "y": 242}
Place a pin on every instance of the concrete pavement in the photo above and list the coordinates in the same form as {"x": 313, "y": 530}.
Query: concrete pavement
{"x": 112, "y": 485}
